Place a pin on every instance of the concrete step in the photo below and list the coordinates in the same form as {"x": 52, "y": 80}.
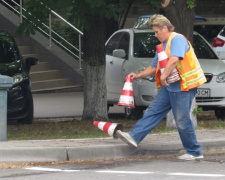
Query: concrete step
{"x": 41, "y": 66}
{"x": 40, "y": 50}
{"x": 52, "y": 84}
{"x": 45, "y": 75}
{"x": 31, "y": 55}
{"x": 25, "y": 50}
{"x": 73, "y": 88}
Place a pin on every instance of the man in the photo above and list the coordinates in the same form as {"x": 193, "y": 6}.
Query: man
{"x": 177, "y": 96}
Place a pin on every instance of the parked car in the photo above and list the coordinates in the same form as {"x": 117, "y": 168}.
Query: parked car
{"x": 219, "y": 44}
{"x": 12, "y": 64}
{"x": 132, "y": 50}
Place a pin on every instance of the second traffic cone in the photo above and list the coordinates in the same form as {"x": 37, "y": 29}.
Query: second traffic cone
{"x": 109, "y": 128}
{"x": 127, "y": 96}
{"x": 163, "y": 59}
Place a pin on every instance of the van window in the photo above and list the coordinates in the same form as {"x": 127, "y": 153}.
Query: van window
{"x": 145, "y": 45}
{"x": 124, "y": 43}
{"x": 113, "y": 43}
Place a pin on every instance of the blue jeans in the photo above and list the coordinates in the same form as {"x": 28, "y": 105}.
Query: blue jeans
{"x": 180, "y": 103}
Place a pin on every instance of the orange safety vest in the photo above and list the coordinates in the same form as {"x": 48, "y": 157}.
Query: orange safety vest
{"x": 189, "y": 68}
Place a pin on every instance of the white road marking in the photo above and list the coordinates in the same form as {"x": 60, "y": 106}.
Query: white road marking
{"x": 50, "y": 169}
{"x": 127, "y": 172}
{"x": 197, "y": 175}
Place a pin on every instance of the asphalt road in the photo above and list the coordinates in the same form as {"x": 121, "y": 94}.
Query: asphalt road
{"x": 212, "y": 167}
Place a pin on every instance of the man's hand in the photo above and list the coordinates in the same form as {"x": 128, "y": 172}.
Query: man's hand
{"x": 133, "y": 75}
{"x": 163, "y": 81}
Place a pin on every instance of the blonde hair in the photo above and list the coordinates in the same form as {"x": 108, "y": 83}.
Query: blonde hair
{"x": 159, "y": 21}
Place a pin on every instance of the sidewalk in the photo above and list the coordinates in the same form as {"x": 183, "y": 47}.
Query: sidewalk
{"x": 154, "y": 145}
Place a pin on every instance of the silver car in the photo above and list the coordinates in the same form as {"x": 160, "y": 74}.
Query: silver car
{"x": 132, "y": 50}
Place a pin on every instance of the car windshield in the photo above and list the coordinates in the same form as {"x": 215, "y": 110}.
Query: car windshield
{"x": 202, "y": 49}
{"x": 8, "y": 50}
{"x": 209, "y": 32}
{"x": 145, "y": 46}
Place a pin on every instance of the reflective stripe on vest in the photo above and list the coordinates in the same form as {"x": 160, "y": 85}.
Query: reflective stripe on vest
{"x": 200, "y": 80}
{"x": 185, "y": 75}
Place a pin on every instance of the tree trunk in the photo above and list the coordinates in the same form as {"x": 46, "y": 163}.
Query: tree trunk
{"x": 95, "y": 105}
{"x": 95, "y": 100}
{"x": 180, "y": 16}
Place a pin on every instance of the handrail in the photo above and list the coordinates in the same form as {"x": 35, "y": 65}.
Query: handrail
{"x": 49, "y": 34}
{"x": 66, "y": 22}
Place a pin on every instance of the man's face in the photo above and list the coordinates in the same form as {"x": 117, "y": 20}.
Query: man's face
{"x": 161, "y": 34}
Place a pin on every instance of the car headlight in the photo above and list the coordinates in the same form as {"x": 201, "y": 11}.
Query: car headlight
{"x": 17, "y": 78}
{"x": 221, "y": 78}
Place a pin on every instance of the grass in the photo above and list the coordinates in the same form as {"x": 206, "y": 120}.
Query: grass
{"x": 61, "y": 128}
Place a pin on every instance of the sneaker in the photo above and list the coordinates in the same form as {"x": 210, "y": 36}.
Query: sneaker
{"x": 125, "y": 137}
{"x": 189, "y": 157}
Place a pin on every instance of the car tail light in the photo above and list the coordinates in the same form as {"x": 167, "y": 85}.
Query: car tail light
{"x": 217, "y": 42}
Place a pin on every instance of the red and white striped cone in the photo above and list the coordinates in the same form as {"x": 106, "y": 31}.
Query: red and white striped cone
{"x": 109, "y": 128}
{"x": 163, "y": 59}
{"x": 127, "y": 96}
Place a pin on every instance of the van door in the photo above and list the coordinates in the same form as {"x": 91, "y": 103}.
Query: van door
{"x": 115, "y": 71}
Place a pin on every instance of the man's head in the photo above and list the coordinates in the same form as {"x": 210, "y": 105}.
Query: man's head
{"x": 161, "y": 26}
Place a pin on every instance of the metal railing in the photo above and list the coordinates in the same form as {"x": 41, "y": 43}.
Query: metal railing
{"x": 49, "y": 27}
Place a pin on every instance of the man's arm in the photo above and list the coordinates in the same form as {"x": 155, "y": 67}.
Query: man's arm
{"x": 146, "y": 72}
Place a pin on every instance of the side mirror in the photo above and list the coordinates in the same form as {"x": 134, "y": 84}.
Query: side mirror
{"x": 31, "y": 61}
{"x": 119, "y": 53}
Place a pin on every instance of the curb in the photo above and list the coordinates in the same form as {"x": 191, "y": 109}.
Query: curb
{"x": 99, "y": 152}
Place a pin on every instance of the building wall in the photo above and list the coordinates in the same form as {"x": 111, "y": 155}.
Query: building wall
{"x": 211, "y": 9}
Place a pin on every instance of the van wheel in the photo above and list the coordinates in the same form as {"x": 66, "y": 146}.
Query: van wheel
{"x": 220, "y": 114}
{"x": 136, "y": 112}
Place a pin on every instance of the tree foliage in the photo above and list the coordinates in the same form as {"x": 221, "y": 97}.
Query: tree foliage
{"x": 190, "y": 3}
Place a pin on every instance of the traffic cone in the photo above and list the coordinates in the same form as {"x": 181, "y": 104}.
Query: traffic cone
{"x": 109, "y": 128}
{"x": 163, "y": 59}
{"x": 127, "y": 96}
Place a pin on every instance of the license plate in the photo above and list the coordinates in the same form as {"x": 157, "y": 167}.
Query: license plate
{"x": 203, "y": 93}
